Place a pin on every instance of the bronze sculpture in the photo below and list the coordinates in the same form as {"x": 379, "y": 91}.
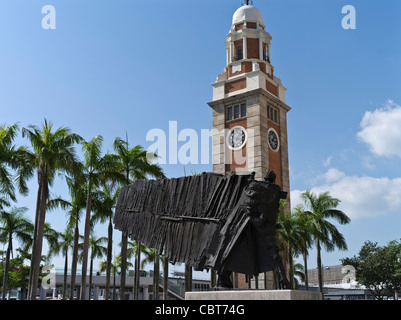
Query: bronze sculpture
{"x": 209, "y": 221}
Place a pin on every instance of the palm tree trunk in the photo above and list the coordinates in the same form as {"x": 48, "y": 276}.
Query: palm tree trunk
{"x": 39, "y": 243}
{"x": 156, "y": 276}
{"x": 109, "y": 257}
{"x": 114, "y": 285}
{"x": 306, "y": 270}
{"x": 319, "y": 266}
{"x": 74, "y": 261}
{"x": 124, "y": 246}
{"x": 86, "y": 245}
{"x": 34, "y": 241}
{"x": 39, "y": 235}
{"x": 65, "y": 274}
{"x": 90, "y": 278}
{"x": 291, "y": 266}
{"x": 7, "y": 266}
{"x": 165, "y": 279}
{"x": 137, "y": 270}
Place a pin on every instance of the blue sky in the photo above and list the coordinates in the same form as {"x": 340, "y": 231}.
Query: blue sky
{"x": 126, "y": 67}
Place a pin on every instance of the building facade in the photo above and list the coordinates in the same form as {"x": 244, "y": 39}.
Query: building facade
{"x": 176, "y": 287}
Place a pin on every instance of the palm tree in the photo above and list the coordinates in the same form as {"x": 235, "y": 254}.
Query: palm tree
{"x": 63, "y": 247}
{"x": 288, "y": 231}
{"x": 7, "y": 135}
{"x": 97, "y": 252}
{"x": 104, "y": 205}
{"x": 298, "y": 272}
{"x": 13, "y": 223}
{"x": 134, "y": 165}
{"x": 305, "y": 238}
{"x": 53, "y": 151}
{"x": 76, "y": 248}
{"x": 97, "y": 170}
{"x": 134, "y": 249}
{"x": 114, "y": 267}
{"x": 14, "y": 158}
{"x": 114, "y": 270}
{"x": 74, "y": 209}
{"x": 52, "y": 238}
{"x": 322, "y": 207}
{"x": 153, "y": 257}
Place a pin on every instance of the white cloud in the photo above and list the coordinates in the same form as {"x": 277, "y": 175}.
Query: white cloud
{"x": 327, "y": 161}
{"x": 332, "y": 175}
{"x": 360, "y": 196}
{"x": 381, "y": 130}
{"x": 367, "y": 162}
{"x": 366, "y": 196}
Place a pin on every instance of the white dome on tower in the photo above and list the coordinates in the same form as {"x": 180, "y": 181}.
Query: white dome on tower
{"x": 247, "y": 13}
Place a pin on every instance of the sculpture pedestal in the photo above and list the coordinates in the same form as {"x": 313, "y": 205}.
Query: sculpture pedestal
{"x": 254, "y": 295}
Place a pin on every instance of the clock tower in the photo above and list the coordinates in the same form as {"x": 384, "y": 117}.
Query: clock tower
{"x": 249, "y": 108}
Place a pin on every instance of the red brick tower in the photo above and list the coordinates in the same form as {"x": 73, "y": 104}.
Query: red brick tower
{"x": 249, "y": 109}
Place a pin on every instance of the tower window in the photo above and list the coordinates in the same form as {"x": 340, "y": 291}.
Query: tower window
{"x": 243, "y": 110}
{"x": 229, "y": 113}
{"x": 236, "y": 112}
{"x": 266, "y": 53}
{"x": 239, "y": 54}
{"x": 272, "y": 114}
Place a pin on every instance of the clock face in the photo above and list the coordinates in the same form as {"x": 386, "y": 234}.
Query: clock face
{"x": 273, "y": 139}
{"x": 236, "y": 138}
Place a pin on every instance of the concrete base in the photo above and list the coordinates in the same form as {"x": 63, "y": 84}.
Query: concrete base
{"x": 254, "y": 295}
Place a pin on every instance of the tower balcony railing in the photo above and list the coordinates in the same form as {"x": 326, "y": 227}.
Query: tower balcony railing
{"x": 238, "y": 58}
